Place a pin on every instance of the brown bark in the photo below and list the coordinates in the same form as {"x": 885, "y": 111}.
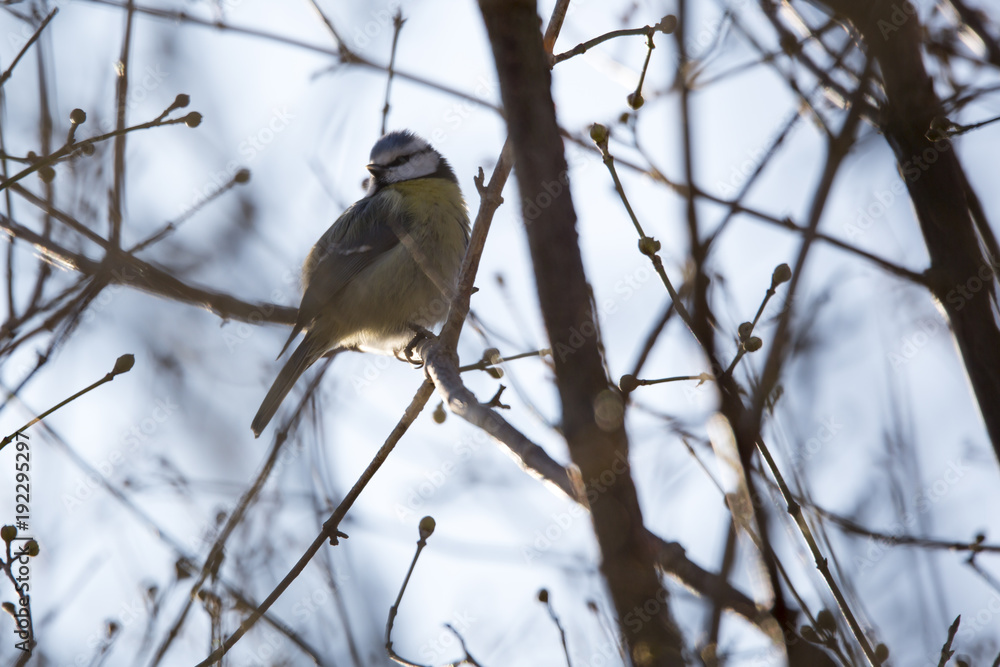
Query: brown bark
{"x": 951, "y": 220}
{"x": 592, "y": 410}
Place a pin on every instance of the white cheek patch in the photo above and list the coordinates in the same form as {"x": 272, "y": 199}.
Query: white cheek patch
{"x": 421, "y": 164}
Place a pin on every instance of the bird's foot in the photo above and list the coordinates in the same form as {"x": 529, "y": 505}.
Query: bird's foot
{"x": 420, "y": 335}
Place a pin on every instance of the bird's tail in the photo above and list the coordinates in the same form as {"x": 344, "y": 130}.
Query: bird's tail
{"x": 302, "y": 358}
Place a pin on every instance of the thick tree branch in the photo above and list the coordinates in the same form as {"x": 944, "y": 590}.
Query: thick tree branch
{"x": 592, "y": 411}
{"x": 670, "y": 557}
{"x": 121, "y": 268}
{"x": 961, "y": 274}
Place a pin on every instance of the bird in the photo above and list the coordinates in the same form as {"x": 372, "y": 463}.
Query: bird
{"x": 386, "y": 269}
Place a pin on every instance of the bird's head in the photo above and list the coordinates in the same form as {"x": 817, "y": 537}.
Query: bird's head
{"x": 403, "y": 156}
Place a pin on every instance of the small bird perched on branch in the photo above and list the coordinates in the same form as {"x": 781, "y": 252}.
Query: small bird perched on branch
{"x": 386, "y": 269}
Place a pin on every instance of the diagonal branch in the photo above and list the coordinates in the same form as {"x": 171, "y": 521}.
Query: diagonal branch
{"x": 670, "y": 557}
{"x": 124, "y": 269}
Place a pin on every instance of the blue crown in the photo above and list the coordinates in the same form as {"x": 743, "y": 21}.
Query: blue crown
{"x": 394, "y": 141}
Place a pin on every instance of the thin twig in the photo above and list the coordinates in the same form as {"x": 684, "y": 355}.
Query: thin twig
{"x": 346, "y": 55}
{"x": 544, "y": 598}
{"x": 161, "y": 532}
{"x": 31, "y": 40}
{"x": 946, "y": 650}
{"x": 68, "y": 150}
{"x": 795, "y": 510}
{"x": 496, "y": 360}
{"x": 837, "y": 149}
{"x": 647, "y": 245}
{"x": 490, "y": 198}
{"x": 973, "y": 546}
{"x": 240, "y": 177}
{"x": 121, "y": 108}
{"x": 397, "y": 26}
{"x": 554, "y": 26}
{"x": 45, "y": 143}
{"x": 122, "y": 365}
{"x": 426, "y": 529}
{"x": 216, "y": 553}
{"x": 747, "y": 341}
{"x": 465, "y": 649}
{"x": 666, "y": 25}
{"x": 330, "y": 528}
{"x": 635, "y": 98}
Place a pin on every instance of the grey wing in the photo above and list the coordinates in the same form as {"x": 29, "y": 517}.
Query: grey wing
{"x": 357, "y": 238}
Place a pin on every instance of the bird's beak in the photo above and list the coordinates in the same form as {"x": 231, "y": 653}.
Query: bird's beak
{"x": 375, "y": 170}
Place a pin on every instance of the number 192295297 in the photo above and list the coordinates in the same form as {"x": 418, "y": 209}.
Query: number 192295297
{"x": 22, "y": 482}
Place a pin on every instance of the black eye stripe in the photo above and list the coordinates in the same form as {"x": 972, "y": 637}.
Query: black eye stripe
{"x": 400, "y": 160}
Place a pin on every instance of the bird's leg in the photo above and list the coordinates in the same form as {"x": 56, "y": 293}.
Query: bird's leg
{"x": 420, "y": 335}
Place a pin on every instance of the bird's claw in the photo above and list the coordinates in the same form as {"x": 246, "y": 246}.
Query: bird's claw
{"x": 420, "y": 335}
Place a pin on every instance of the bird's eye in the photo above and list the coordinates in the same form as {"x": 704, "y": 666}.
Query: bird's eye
{"x": 401, "y": 160}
